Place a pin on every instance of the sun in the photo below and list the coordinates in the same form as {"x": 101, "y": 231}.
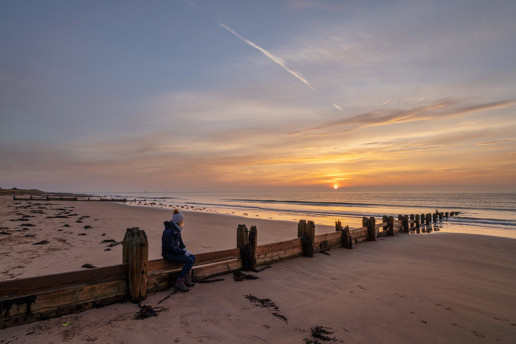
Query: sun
{"x": 335, "y": 186}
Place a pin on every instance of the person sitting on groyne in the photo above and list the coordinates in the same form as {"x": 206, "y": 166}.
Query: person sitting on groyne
{"x": 174, "y": 250}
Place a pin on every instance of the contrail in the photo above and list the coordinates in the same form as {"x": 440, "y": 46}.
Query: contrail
{"x": 336, "y": 107}
{"x": 270, "y": 56}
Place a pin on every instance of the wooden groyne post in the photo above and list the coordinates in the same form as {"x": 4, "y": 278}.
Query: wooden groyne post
{"x": 346, "y": 240}
{"x": 135, "y": 253}
{"x": 371, "y": 229}
{"x": 247, "y": 242}
{"x": 306, "y": 232}
{"x": 390, "y": 231}
{"x": 242, "y": 235}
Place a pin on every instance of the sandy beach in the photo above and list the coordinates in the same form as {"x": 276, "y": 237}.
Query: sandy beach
{"x": 428, "y": 288}
{"x": 43, "y": 237}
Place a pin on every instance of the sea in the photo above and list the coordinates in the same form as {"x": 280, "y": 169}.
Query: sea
{"x": 486, "y": 213}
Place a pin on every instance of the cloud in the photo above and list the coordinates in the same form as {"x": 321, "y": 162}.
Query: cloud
{"x": 336, "y": 106}
{"x": 443, "y": 108}
{"x": 269, "y": 55}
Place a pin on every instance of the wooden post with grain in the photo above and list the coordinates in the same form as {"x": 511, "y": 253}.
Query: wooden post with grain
{"x": 135, "y": 253}
{"x": 390, "y": 231}
{"x": 346, "y": 240}
{"x": 247, "y": 242}
{"x": 405, "y": 223}
{"x": 253, "y": 243}
{"x": 385, "y": 220}
{"x": 371, "y": 229}
{"x": 242, "y": 236}
{"x": 306, "y": 232}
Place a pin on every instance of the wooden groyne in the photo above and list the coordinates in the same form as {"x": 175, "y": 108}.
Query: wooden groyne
{"x": 38, "y": 298}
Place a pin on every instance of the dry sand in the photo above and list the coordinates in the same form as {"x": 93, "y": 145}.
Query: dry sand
{"x": 428, "y": 288}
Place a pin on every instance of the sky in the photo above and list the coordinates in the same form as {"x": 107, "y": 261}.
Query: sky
{"x": 205, "y": 95}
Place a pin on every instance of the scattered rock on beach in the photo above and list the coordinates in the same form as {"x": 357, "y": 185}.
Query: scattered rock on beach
{"x": 43, "y": 242}
{"x": 111, "y": 242}
{"x": 5, "y": 233}
{"x": 88, "y": 266}
{"x": 87, "y": 227}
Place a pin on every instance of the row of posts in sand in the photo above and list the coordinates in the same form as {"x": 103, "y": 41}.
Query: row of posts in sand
{"x": 41, "y": 297}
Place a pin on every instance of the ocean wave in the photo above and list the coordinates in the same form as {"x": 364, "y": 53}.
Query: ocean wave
{"x": 366, "y": 205}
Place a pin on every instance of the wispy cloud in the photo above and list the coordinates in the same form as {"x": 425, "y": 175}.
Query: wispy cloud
{"x": 336, "y": 106}
{"x": 439, "y": 109}
{"x": 269, "y": 55}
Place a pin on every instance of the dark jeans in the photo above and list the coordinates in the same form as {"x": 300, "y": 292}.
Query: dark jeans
{"x": 179, "y": 258}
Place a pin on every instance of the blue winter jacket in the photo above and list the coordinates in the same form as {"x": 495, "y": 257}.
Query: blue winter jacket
{"x": 171, "y": 241}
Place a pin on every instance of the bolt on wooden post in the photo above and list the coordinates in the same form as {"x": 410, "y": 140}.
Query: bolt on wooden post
{"x": 135, "y": 253}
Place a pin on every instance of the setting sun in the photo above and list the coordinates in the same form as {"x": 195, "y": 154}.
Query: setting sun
{"x": 335, "y": 186}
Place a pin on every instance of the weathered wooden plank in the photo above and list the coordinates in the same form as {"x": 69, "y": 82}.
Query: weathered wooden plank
{"x": 32, "y": 285}
{"x": 214, "y": 269}
{"x": 327, "y": 237}
{"x": 54, "y": 303}
{"x": 77, "y": 295}
{"x": 162, "y": 264}
{"x": 201, "y": 258}
{"x": 21, "y": 319}
{"x": 358, "y": 232}
{"x": 380, "y": 225}
{"x": 327, "y": 241}
{"x": 270, "y": 257}
{"x": 279, "y": 246}
{"x": 360, "y": 239}
{"x": 161, "y": 280}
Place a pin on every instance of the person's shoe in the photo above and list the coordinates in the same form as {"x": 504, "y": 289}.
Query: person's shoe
{"x": 188, "y": 282}
{"x": 180, "y": 285}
